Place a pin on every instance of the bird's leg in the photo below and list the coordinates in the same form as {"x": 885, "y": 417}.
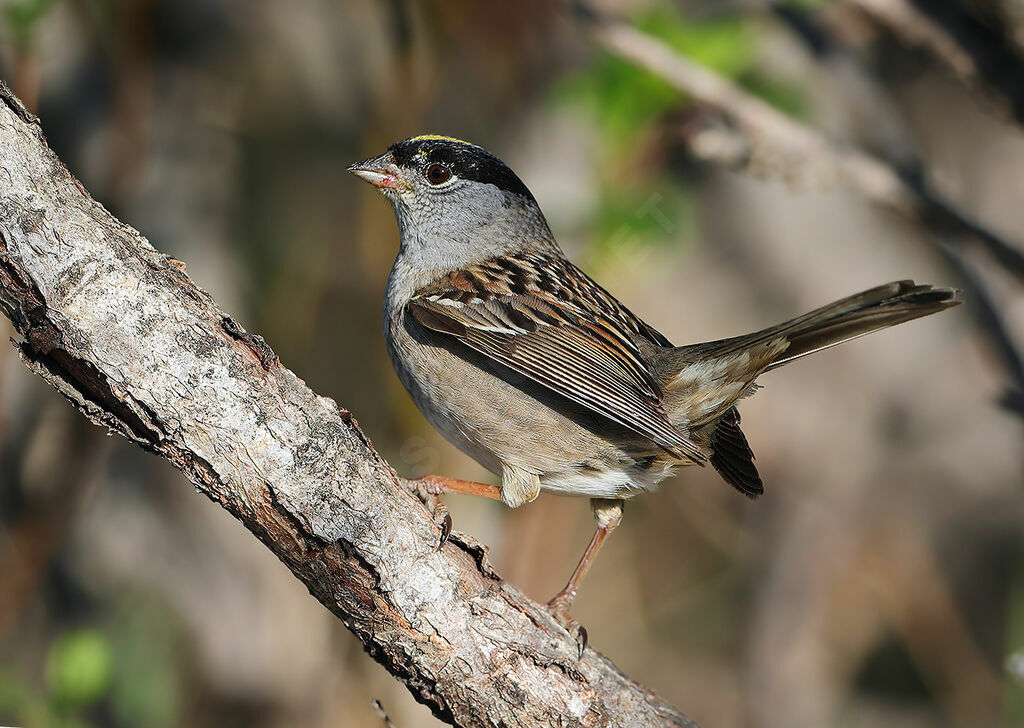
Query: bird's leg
{"x": 608, "y": 515}
{"x": 435, "y": 485}
{"x": 438, "y": 484}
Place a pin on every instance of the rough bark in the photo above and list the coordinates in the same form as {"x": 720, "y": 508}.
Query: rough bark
{"x": 120, "y": 330}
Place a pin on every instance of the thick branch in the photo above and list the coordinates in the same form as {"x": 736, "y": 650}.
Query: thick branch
{"x": 124, "y": 334}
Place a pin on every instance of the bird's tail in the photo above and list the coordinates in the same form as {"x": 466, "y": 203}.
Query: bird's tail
{"x": 733, "y": 364}
{"x": 854, "y": 316}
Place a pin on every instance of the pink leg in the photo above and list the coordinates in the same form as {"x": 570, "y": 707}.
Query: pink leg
{"x": 438, "y": 484}
{"x": 608, "y": 514}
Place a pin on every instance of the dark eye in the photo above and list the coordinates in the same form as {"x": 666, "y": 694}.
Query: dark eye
{"x": 438, "y": 174}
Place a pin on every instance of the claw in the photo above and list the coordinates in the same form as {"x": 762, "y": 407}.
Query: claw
{"x": 581, "y": 640}
{"x": 574, "y": 628}
{"x": 446, "y": 530}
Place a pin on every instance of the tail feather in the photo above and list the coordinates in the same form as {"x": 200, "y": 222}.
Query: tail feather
{"x": 707, "y": 379}
{"x": 702, "y": 381}
{"x": 732, "y": 457}
{"x": 848, "y": 318}
{"x": 858, "y": 315}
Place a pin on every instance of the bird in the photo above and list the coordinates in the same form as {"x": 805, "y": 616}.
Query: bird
{"x": 526, "y": 364}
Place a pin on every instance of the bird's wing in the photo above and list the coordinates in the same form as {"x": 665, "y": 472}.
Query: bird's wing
{"x": 543, "y": 318}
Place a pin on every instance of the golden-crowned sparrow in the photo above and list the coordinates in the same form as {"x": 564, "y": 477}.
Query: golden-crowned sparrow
{"x": 536, "y": 372}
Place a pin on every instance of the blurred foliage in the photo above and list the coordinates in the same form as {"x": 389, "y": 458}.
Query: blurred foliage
{"x": 146, "y": 680}
{"x": 630, "y": 105}
{"x": 23, "y": 17}
{"x": 128, "y": 671}
{"x": 641, "y": 211}
{"x": 78, "y": 676}
{"x": 79, "y": 667}
{"x": 625, "y": 99}
{"x": 649, "y": 212}
{"x": 807, "y": 5}
{"x": 1014, "y": 684}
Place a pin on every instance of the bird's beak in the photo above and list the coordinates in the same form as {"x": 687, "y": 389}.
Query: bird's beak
{"x": 381, "y": 172}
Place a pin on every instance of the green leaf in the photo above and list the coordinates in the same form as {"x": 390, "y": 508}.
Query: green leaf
{"x": 79, "y": 668}
{"x": 725, "y": 44}
{"x": 625, "y": 99}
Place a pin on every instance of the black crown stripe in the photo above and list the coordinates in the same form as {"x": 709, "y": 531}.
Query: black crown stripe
{"x": 465, "y": 160}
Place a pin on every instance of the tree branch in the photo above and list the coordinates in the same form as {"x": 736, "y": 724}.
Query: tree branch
{"x": 973, "y": 44}
{"x": 124, "y": 334}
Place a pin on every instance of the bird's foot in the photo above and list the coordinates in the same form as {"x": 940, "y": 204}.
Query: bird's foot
{"x": 429, "y": 495}
{"x": 559, "y": 609}
{"x": 430, "y": 487}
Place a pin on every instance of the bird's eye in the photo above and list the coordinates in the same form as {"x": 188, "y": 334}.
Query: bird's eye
{"x": 438, "y": 174}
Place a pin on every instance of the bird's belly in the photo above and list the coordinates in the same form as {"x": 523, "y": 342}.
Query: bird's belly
{"x": 501, "y": 419}
{"x": 622, "y": 478}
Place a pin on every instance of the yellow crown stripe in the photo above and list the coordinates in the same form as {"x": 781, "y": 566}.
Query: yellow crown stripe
{"x": 440, "y": 138}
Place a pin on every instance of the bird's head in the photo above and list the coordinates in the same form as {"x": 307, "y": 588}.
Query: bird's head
{"x": 453, "y": 194}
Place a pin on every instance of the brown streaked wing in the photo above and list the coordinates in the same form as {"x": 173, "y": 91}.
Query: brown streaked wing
{"x": 573, "y": 344}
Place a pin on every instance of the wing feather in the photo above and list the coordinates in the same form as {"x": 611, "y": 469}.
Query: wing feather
{"x": 581, "y": 347}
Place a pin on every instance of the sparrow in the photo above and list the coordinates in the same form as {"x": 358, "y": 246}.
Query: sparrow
{"x": 530, "y": 367}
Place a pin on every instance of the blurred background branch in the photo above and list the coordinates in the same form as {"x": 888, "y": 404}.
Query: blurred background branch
{"x": 975, "y": 42}
{"x": 745, "y": 132}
